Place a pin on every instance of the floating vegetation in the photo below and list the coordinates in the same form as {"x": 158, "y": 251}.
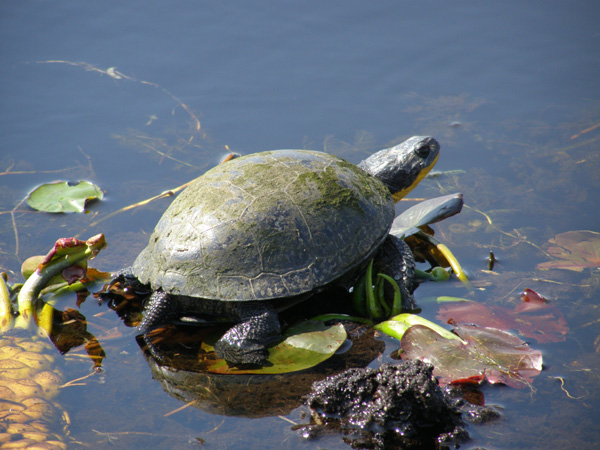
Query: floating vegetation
{"x": 574, "y": 250}
{"x": 64, "y": 196}
{"x": 532, "y": 188}
{"x": 29, "y": 377}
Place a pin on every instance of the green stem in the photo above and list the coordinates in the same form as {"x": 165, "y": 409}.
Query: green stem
{"x": 397, "y": 304}
{"x": 380, "y": 296}
{"x": 423, "y": 275}
{"x": 456, "y": 267}
{"x": 437, "y": 274}
{"x": 372, "y": 305}
{"x": 45, "y": 318}
{"x": 6, "y": 312}
{"x": 358, "y": 296}
{"x": 45, "y": 272}
{"x": 458, "y": 270}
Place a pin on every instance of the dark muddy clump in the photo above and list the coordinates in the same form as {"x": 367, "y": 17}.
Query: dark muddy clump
{"x": 394, "y": 406}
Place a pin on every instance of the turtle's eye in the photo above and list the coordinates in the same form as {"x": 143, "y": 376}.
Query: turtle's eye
{"x": 423, "y": 151}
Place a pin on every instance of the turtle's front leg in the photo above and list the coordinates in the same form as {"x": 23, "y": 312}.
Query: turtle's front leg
{"x": 158, "y": 311}
{"x": 395, "y": 259}
{"x": 245, "y": 344}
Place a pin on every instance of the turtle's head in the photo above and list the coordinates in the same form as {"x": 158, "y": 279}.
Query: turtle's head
{"x": 403, "y": 166}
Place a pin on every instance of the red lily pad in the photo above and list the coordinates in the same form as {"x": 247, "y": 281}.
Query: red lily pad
{"x": 534, "y": 318}
{"x": 575, "y": 250}
{"x": 495, "y": 354}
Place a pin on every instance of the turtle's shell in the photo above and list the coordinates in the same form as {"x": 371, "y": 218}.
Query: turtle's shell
{"x": 267, "y": 225}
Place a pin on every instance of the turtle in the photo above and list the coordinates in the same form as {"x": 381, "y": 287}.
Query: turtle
{"x": 262, "y": 232}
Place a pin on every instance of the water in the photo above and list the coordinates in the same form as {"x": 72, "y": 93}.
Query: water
{"x": 502, "y": 86}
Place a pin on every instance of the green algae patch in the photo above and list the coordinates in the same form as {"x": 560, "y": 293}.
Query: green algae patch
{"x": 332, "y": 193}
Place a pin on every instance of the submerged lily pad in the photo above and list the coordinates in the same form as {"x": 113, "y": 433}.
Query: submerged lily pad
{"x": 63, "y": 196}
{"x": 575, "y": 250}
{"x": 305, "y": 345}
{"x": 497, "y": 355}
{"x": 534, "y": 317}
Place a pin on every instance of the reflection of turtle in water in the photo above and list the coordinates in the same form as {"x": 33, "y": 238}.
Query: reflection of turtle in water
{"x": 264, "y": 231}
{"x": 179, "y": 363}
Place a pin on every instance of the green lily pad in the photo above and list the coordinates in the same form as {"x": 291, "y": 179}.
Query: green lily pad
{"x": 63, "y": 196}
{"x": 398, "y": 325}
{"x": 30, "y": 265}
{"x": 304, "y": 346}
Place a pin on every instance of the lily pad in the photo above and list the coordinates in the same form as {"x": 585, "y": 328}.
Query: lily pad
{"x": 304, "y": 346}
{"x": 31, "y": 264}
{"x": 67, "y": 252}
{"x": 575, "y": 250}
{"x": 534, "y": 317}
{"x": 398, "y": 325}
{"x": 425, "y": 213}
{"x": 63, "y": 196}
{"x": 498, "y": 355}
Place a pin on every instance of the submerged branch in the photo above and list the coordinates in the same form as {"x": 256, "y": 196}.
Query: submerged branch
{"x": 115, "y": 74}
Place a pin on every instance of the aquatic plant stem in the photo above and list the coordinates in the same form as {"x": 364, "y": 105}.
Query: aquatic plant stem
{"x": 373, "y": 307}
{"x": 6, "y": 312}
{"x": 397, "y": 304}
{"x": 64, "y": 254}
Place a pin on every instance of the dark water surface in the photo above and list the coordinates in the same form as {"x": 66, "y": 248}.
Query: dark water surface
{"x": 508, "y": 88}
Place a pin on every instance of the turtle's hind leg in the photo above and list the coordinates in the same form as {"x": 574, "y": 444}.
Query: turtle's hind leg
{"x": 245, "y": 343}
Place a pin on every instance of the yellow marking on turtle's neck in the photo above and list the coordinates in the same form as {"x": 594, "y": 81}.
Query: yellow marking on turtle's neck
{"x": 403, "y": 192}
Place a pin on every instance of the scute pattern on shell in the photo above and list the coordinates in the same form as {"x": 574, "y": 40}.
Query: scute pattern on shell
{"x": 268, "y": 225}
